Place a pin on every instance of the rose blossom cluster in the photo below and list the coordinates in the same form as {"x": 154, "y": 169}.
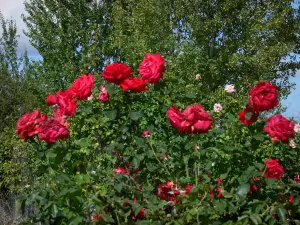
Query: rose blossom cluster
{"x": 64, "y": 104}
{"x": 194, "y": 119}
{"x": 263, "y": 97}
{"x": 168, "y": 191}
{"x": 151, "y": 70}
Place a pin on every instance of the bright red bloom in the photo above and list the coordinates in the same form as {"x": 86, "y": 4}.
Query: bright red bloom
{"x": 163, "y": 192}
{"x": 146, "y": 133}
{"x": 253, "y": 118}
{"x": 220, "y": 181}
{"x": 280, "y": 128}
{"x": 264, "y": 96}
{"x": 66, "y": 105}
{"x": 194, "y": 119}
{"x": 188, "y": 189}
{"x": 253, "y": 188}
{"x": 82, "y": 87}
{"x": 117, "y": 72}
{"x": 28, "y": 125}
{"x": 121, "y": 170}
{"x": 217, "y": 191}
{"x": 51, "y": 99}
{"x": 133, "y": 84}
{"x": 291, "y": 199}
{"x": 152, "y": 67}
{"x": 274, "y": 169}
{"x": 97, "y": 217}
{"x": 53, "y": 129}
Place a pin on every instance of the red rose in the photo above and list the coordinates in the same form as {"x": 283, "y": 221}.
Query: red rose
{"x": 252, "y": 119}
{"x": 66, "y": 105}
{"x": 217, "y": 192}
{"x": 280, "y": 128}
{"x": 264, "y": 96}
{"x": 51, "y": 99}
{"x": 133, "y": 84}
{"x": 97, "y": 217}
{"x": 291, "y": 199}
{"x": 274, "y": 169}
{"x": 28, "y": 125}
{"x": 82, "y": 87}
{"x": 175, "y": 117}
{"x": 117, "y": 72}
{"x": 188, "y": 189}
{"x": 253, "y": 188}
{"x": 146, "y": 133}
{"x": 53, "y": 129}
{"x": 165, "y": 156}
{"x": 194, "y": 119}
{"x": 220, "y": 181}
{"x": 163, "y": 192}
{"x": 121, "y": 170}
{"x": 152, "y": 68}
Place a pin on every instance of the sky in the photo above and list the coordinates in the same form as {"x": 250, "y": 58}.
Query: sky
{"x": 12, "y": 9}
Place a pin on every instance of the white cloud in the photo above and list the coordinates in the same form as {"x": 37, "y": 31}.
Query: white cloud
{"x": 13, "y": 9}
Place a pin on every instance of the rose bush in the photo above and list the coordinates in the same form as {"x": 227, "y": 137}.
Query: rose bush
{"x": 123, "y": 162}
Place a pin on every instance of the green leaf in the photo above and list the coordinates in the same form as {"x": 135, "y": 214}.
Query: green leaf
{"x": 110, "y": 114}
{"x": 51, "y": 155}
{"x": 281, "y": 213}
{"x": 135, "y": 115}
{"x": 243, "y": 190}
{"x": 119, "y": 186}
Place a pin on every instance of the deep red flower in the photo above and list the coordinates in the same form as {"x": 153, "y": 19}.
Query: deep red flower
{"x": 217, "y": 192}
{"x": 188, "y": 189}
{"x": 252, "y": 119}
{"x": 163, "y": 192}
{"x": 133, "y": 84}
{"x": 51, "y": 99}
{"x": 28, "y": 125}
{"x": 82, "y": 87}
{"x": 53, "y": 129}
{"x": 194, "y": 119}
{"x": 264, "y": 96}
{"x": 220, "y": 181}
{"x": 121, "y": 170}
{"x": 117, "y": 72}
{"x": 66, "y": 105}
{"x": 280, "y": 128}
{"x": 146, "y": 133}
{"x": 291, "y": 199}
{"x": 175, "y": 118}
{"x": 97, "y": 217}
{"x": 152, "y": 67}
{"x": 253, "y": 188}
{"x": 274, "y": 169}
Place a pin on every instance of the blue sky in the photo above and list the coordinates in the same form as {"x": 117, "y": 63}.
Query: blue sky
{"x": 13, "y": 9}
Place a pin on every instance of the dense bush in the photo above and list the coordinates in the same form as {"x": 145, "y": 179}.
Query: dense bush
{"x": 148, "y": 150}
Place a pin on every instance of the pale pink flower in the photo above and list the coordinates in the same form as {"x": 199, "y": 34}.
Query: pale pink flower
{"x": 297, "y": 128}
{"x": 292, "y": 144}
{"x": 229, "y": 88}
{"x": 198, "y": 76}
{"x": 217, "y": 107}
